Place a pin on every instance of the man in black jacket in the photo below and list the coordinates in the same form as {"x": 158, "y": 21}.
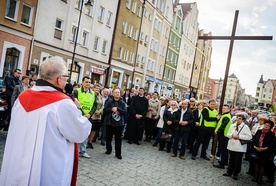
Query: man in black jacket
{"x": 114, "y": 111}
{"x": 10, "y": 82}
{"x": 138, "y": 110}
{"x": 186, "y": 120}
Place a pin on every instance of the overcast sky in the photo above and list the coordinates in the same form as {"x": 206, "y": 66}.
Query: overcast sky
{"x": 250, "y": 59}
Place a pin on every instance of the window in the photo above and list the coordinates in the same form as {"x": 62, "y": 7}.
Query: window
{"x": 132, "y": 57}
{"x": 142, "y": 35}
{"x": 163, "y": 51}
{"x": 126, "y": 55}
{"x": 128, "y": 3}
{"x": 149, "y": 65}
{"x": 138, "y": 58}
{"x": 134, "y": 7}
{"x": 109, "y": 17}
{"x": 139, "y": 11}
{"x": 130, "y": 31}
{"x": 12, "y": 9}
{"x": 150, "y": 17}
{"x": 147, "y": 38}
{"x": 74, "y": 34}
{"x": 124, "y": 27}
{"x": 88, "y": 10}
{"x": 104, "y": 47}
{"x": 27, "y": 14}
{"x": 135, "y": 35}
{"x": 58, "y": 29}
{"x": 101, "y": 14}
{"x": 120, "y": 54}
{"x": 96, "y": 44}
{"x": 84, "y": 40}
{"x": 78, "y": 4}
{"x": 153, "y": 66}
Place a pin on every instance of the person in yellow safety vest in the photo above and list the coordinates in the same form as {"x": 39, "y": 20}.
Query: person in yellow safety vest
{"x": 208, "y": 122}
{"x": 221, "y": 130}
{"x": 88, "y": 105}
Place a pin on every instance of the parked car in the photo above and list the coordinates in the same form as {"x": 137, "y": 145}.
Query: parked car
{"x": 1, "y": 85}
{"x": 3, "y": 111}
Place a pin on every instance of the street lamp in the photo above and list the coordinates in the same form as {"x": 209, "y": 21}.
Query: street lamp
{"x": 89, "y": 4}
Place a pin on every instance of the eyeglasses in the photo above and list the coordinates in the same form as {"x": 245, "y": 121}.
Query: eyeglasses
{"x": 64, "y": 76}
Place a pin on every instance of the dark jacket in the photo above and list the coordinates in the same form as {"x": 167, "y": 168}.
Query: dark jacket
{"x": 187, "y": 116}
{"x": 169, "y": 116}
{"x": 139, "y": 105}
{"x": 268, "y": 141}
{"x": 10, "y": 82}
{"x": 121, "y": 108}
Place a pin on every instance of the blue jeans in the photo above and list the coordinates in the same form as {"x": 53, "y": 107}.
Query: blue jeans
{"x": 158, "y": 135}
{"x": 184, "y": 136}
{"x": 82, "y": 147}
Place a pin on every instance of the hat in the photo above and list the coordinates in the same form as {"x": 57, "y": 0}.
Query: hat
{"x": 116, "y": 116}
{"x": 270, "y": 123}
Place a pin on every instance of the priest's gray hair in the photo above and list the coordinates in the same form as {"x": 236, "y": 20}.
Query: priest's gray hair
{"x": 52, "y": 67}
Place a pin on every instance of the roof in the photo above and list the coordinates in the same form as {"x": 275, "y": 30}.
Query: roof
{"x": 233, "y": 76}
{"x": 261, "y": 79}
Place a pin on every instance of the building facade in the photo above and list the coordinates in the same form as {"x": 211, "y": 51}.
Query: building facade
{"x": 17, "y": 21}
{"x": 73, "y": 28}
{"x": 265, "y": 94}
{"x": 153, "y": 42}
{"x": 185, "y": 78}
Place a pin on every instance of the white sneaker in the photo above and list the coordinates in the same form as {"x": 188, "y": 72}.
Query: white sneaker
{"x": 85, "y": 155}
{"x": 217, "y": 158}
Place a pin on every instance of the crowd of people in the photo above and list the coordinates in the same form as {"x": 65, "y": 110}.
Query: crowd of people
{"x": 96, "y": 113}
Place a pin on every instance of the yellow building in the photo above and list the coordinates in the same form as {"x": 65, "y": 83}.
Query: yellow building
{"x": 124, "y": 47}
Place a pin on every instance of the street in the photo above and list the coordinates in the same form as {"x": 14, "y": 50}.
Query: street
{"x": 145, "y": 165}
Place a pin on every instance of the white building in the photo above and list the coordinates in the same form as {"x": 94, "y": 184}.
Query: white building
{"x": 56, "y": 31}
{"x": 188, "y": 47}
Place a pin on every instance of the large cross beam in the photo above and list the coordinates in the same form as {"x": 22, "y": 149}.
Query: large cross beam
{"x": 232, "y": 38}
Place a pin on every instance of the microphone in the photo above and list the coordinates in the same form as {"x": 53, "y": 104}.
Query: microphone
{"x": 69, "y": 90}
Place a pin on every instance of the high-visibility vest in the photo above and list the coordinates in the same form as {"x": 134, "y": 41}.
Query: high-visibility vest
{"x": 86, "y": 100}
{"x": 212, "y": 114}
{"x": 226, "y": 128}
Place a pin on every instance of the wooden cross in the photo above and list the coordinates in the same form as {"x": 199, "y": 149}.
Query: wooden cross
{"x": 232, "y": 38}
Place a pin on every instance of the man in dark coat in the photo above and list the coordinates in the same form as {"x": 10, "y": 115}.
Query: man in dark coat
{"x": 114, "y": 111}
{"x": 186, "y": 120}
{"x": 138, "y": 110}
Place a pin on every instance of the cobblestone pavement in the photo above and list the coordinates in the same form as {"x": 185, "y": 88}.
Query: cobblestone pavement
{"x": 144, "y": 165}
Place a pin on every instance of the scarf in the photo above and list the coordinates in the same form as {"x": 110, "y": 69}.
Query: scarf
{"x": 172, "y": 111}
{"x": 261, "y": 139}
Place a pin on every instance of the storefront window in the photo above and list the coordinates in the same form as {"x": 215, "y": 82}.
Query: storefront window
{"x": 11, "y": 61}
{"x": 115, "y": 79}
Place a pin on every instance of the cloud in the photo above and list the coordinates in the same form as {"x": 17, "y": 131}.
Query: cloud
{"x": 250, "y": 59}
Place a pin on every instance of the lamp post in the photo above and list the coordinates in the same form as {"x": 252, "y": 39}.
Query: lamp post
{"x": 88, "y": 3}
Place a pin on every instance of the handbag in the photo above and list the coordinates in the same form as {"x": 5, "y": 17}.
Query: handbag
{"x": 243, "y": 142}
{"x": 165, "y": 136}
{"x": 253, "y": 156}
